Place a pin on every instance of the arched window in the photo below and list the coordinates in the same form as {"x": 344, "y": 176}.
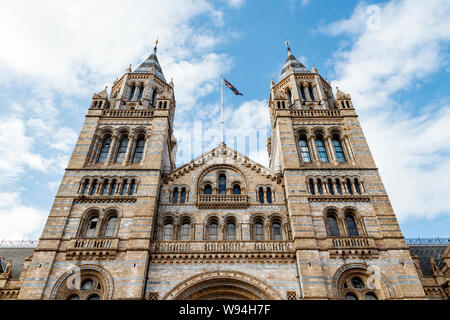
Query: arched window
{"x": 338, "y": 148}
{"x": 355, "y": 286}
{"x": 319, "y": 186}
{"x": 183, "y": 195}
{"x": 330, "y": 186}
{"x": 302, "y": 92}
{"x": 213, "y": 230}
{"x": 141, "y": 92}
{"x": 236, "y": 189}
{"x": 185, "y": 231}
{"x": 168, "y": 231}
{"x": 124, "y": 188}
{"x": 311, "y": 92}
{"x": 139, "y": 152}
{"x": 133, "y": 90}
{"x": 321, "y": 149}
{"x": 91, "y": 226}
{"x": 105, "y": 149}
{"x": 111, "y": 226}
{"x": 269, "y": 195}
{"x": 207, "y": 189}
{"x": 259, "y": 230}
{"x": 338, "y": 186}
{"x": 231, "y": 231}
{"x": 122, "y": 149}
{"x": 85, "y": 186}
{"x": 94, "y": 187}
{"x": 350, "y": 296}
{"x": 113, "y": 188}
{"x": 222, "y": 184}
{"x": 357, "y": 187}
{"x": 349, "y": 186}
{"x": 311, "y": 187}
{"x": 155, "y": 93}
{"x": 333, "y": 226}
{"x": 132, "y": 187}
{"x": 351, "y": 225}
{"x": 289, "y": 95}
{"x": 261, "y": 195}
{"x": 370, "y": 296}
{"x": 304, "y": 150}
{"x": 175, "y": 196}
{"x": 276, "y": 231}
{"x": 105, "y": 187}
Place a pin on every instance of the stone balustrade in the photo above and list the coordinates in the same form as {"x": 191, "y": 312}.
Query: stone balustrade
{"x": 121, "y": 113}
{"x": 95, "y": 248}
{"x": 223, "y": 246}
{"x": 212, "y": 201}
{"x": 315, "y": 113}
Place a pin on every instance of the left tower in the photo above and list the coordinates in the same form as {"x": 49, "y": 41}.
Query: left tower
{"x": 100, "y": 224}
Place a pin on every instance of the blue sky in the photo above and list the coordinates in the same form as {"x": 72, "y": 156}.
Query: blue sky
{"x": 392, "y": 56}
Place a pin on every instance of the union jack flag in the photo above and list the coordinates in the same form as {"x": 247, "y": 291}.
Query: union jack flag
{"x": 229, "y": 85}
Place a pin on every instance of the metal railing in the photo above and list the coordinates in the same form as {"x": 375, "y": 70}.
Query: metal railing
{"x": 428, "y": 241}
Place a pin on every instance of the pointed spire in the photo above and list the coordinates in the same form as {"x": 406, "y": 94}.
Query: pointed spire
{"x": 314, "y": 69}
{"x": 292, "y": 65}
{"x": 151, "y": 64}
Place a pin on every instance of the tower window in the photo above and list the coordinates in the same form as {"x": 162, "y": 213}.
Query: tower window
{"x": 338, "y": 149}
{"x": 213, "y": 229}
{"x": 113, "y": 188}
{"x": 222, "y": 184}
{"x": 122, "y": 149}
{"x": 261, "y": 195}
{"x": 175, "y": 196}
{"x": 269, "y": 195}
{"x": 319, "y": 186}
{"x": 349, "y": 186}
{"x": 304, "y": 150}
{"x": 259, "y": 231}
{"x": 236, "y": 189}
{"x": 139, "y": 152}
{"x": 302, "y": 92}
{"x": 207, "y": 189}
{"x": 111, "y": 227}
{"x": 357, "y": 187}
{"x": 124, "y": 188}
{"x": 85, "y": 187}
{"x": 311, "y": 92}
{"x": 330, "y": 186}
{"x": 168, "y": 231}
{"x": 321, "y": 149}
{"x": 133, "y": 90}
{"x": 289, "y": 94}
{"x": 333, "y": 225}
{"x": 231, "y": 231}
{"x": 105, "y": 187}
{"x": 141, "y": 92}
{"x": 91, "y": 226}
{"x": 94, "y": 187}
{"x": 183, "y": 195}
{"x": 311, "y": 187}
{"x": 338, "y": 186}
{"x": 105, "y": 149}
{"x": 351, "y": 226}
{"x": 155, "y": 93}
{"x": 276, "y": 231}
{"x": 132, "y": 187}
{"x": 185, "y": 231}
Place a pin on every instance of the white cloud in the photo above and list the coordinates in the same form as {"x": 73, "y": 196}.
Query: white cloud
{"x": 19, "y": 221}
{"x": 235, "y": 3}
{"x": 396, "y": 47}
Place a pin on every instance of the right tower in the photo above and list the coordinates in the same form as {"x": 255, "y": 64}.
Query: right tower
{"x": 347, "y": 239}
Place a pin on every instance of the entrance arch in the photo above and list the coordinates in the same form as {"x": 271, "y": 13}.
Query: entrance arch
{"x": 222, "y": 285}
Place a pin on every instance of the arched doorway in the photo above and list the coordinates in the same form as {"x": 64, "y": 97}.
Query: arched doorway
{"x": 222, "y": 285}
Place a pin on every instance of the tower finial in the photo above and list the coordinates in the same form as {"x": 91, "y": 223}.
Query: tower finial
{"x": 287, "y": 44}
{"x": 156, "y": 45}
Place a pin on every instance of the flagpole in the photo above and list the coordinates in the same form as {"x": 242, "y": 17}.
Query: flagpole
{"x": 221, "y": 110}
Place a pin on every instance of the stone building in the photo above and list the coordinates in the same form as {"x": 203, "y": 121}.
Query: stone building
{"x": 127, "y": 224}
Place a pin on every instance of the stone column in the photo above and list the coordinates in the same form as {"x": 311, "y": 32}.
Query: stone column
{"x": 111, "y": 149}
{"x": 331, "y": 149}
{"x": 128, "y": 152}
